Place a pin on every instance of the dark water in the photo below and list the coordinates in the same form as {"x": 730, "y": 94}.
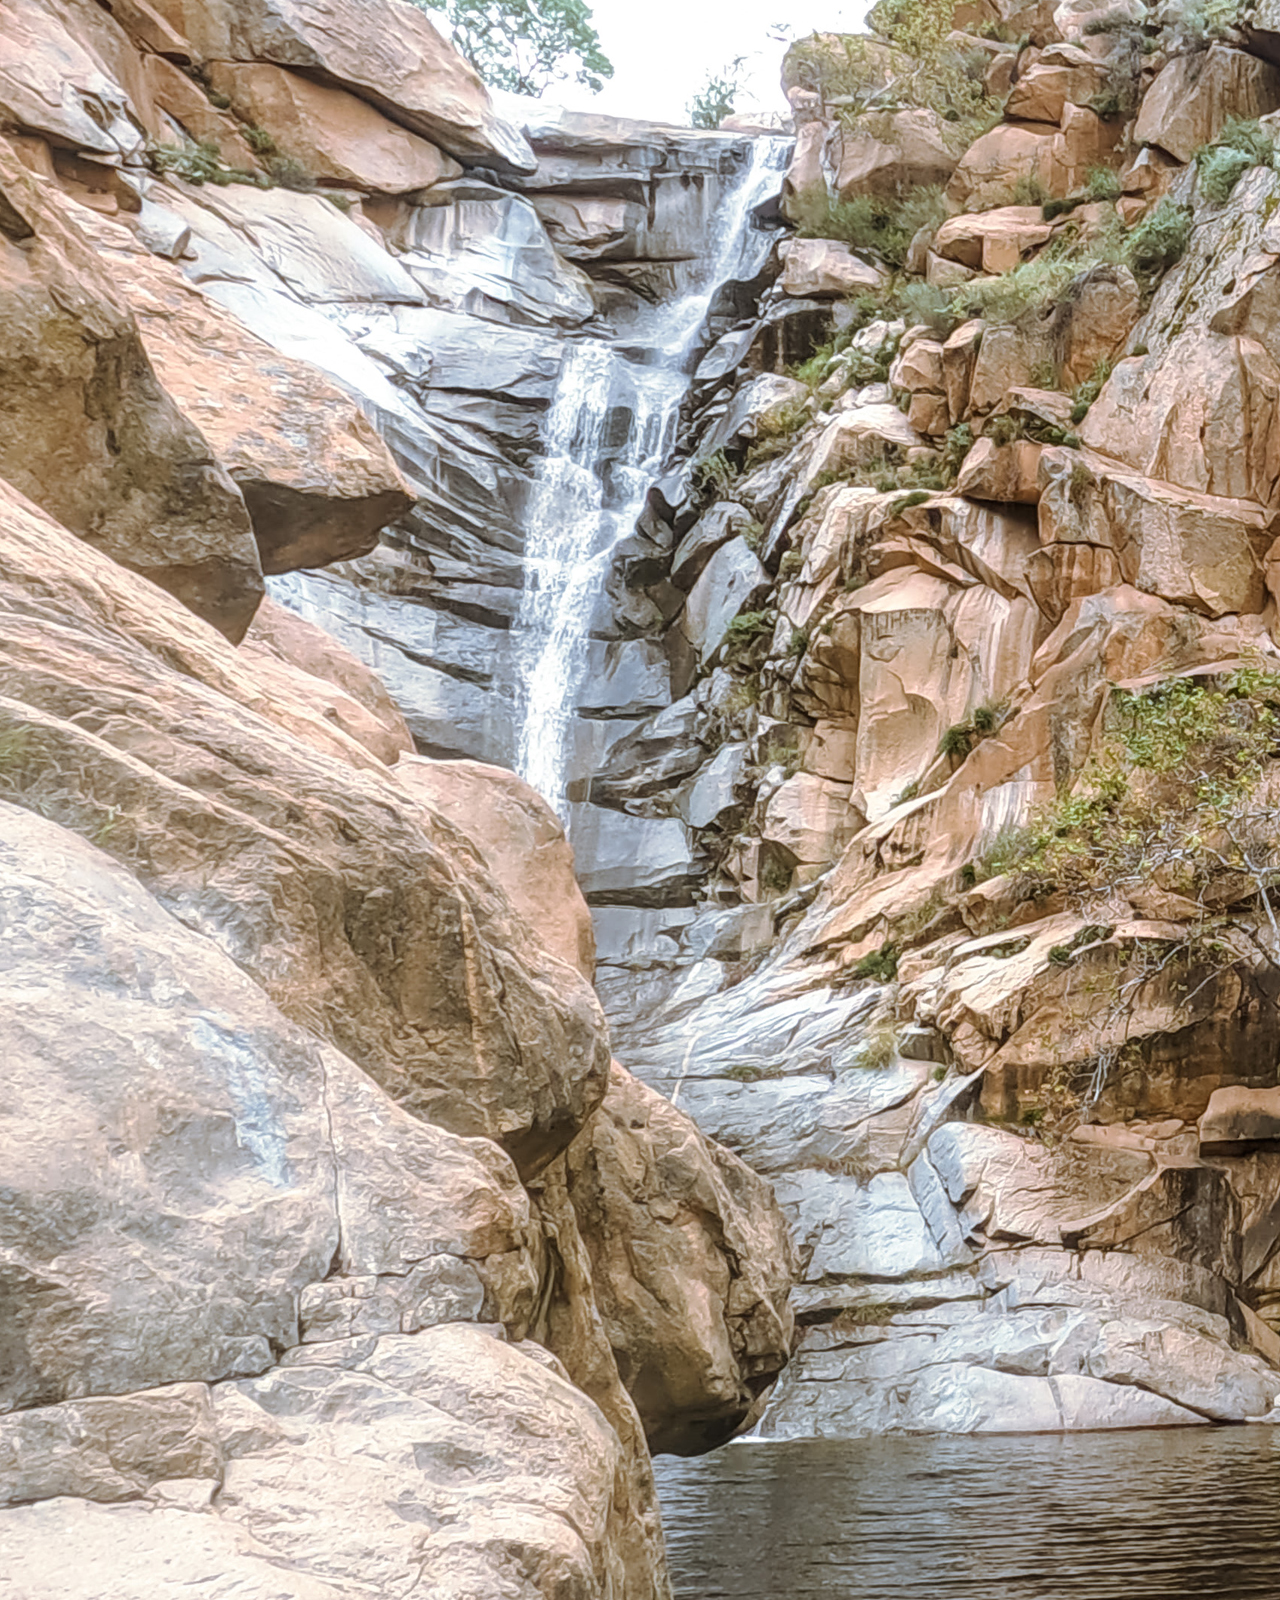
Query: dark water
{"x": 1119, "y": 1516}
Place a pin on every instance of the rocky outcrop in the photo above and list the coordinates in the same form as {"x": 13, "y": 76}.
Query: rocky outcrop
{"x": 689, "y": 1259}
{"x": 90, "y": 434}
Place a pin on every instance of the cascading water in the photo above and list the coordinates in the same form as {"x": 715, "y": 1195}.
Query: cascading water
{"x": 578, "y": 514}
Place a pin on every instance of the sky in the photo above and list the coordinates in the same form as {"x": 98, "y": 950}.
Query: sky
{"x": 663, "y": 50}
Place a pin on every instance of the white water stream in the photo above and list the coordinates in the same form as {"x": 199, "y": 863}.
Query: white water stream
{"x": 590, "y": 488}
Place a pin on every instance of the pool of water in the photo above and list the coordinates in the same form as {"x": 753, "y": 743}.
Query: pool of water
{"x": 1154, "y": 1515}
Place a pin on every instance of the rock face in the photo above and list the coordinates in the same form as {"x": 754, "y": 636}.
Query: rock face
{"x": 90, "y": 434}
{"x": 690, "y": 1260}
{"x": 402, "y": 65}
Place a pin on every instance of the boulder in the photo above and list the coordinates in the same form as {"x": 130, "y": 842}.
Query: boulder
{"x": 521, "y": 842}
{"x": 109, "y": 1447}
{"x": 889, "y": 152}
{"x": 811, "y": 819}
{"x": 1198, "y": 414}
{"x": 989, "y": 170}
{"x": 333, "y": 135}
{"x": 109, "y": 1091}
{"x": 587, "y": 227}
{"x": 319, "y": 253}
{"x": 731, "y": 579}
{"x": 716, "y": 789}
{"x": 187, "y": 104}
{"x": 824, "y": 267}
{"x": 858, "y": 437}
{"x": 323, "y": 880}
{"x": 389, "y": 54}
{"x": 357, "y": 701}
{"x": 500, "y": 1463}
{"x": 1062, "y": 75}
{"x": 805, "y": 195}
{"x": 319, "y": 483}
{"x": 632, "y": 861}
{"x": 691, "y": 1266}
{"x": 87, "y": 432}
{"x": 1201, "y": 551}
{"x": 992, "y": 241}
{"x": 54, "y": 82}
{"x": 1093, "y": 323}
{"x": 484, "y": 252}
{"x": 714, "y": 528}
{"x": 1196, "y": 93}
{"x": 1008, "y": 473}
{"x": 1239, "y": 1119}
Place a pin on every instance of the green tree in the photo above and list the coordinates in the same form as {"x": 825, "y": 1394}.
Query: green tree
{"x": 716, "y": 99}
{"x": 526, "y": 45}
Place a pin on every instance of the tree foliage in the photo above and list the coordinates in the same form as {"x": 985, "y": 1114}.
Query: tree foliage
{"x": 717, "y": 98}
{"x": 524, "y": 46}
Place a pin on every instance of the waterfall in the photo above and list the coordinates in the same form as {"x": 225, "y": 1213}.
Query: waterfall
{"x": 590, "y": 488}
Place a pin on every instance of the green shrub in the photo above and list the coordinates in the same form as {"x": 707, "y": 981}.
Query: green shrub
{"x": 904, "y": 502}
{"x": 880, "y": 225}
{"x": 197, "y": 163}
{"x": 790, "y": 564}
{"x": 1101, "y": 184}
{"x": 290, "y": 174}
{"x": 258, "y": 140}
{"x": 746, "y": 628}
{"x": 798, "y": 643}
{"x": 935, "y": 308}
{"x": 714, "y": 476}
{"x": 1240, "y": 145}
{"x": 1160, "y": 240}
{"x": 1087, "y": 392}
{"x": 881, "y": 965}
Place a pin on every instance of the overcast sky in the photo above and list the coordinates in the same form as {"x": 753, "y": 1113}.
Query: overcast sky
{"x": 662, "y": 50}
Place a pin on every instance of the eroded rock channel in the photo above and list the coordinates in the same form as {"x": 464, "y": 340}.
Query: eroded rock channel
{"x": 637, "y": 780}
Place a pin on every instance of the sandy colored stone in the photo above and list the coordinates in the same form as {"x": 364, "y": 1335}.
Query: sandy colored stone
{"x": 991, "y": 167}
{"x": 348, "y": 693}
{"x": 1194, "y": 95}
{"x": 387, "y": 52}
{"x": 992, "y": 241}
{"x": 918, "y": 367}
{"x": 1006, "y": 473}
{"x": 187, "y": 103}
{"x": 1064, "y": 74}
{"x": 1237, "y": 1118}
{"x": 334, "y": 135}
{"x": 811, "y": 819}
{"x": 522, "y": 844}
{"x": 299, "y": 1161}
{"x": 1199, "y": 414}
{"x": 110, "y": 1447}
{"x": 318, "y": 481}
{"x": 822, "y": 267}
{"x": 319, "y": 878}
{"x": 67, "y": 71}
{"x": 87, "y": 431}
{"x": 1093, "y": 324}
{"x": 691, "y": 1265}
{"x": 888, "y": 152}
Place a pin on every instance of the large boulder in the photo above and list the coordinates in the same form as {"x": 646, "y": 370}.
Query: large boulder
{"x": 67, "y": 72}
{"x": 389, "y": 54}
{"x": 823, "y": 267}
{"x": 319, "y": 482}
{"x": 1196, "y": 93}
{"x": 333, "y": 135}
{"x": 691, "y": 1267}
{"x": 889, "y": 152}
{"x": 351, "y": 696}
{"x": 246, "y": 1133}
{"x": 444, "y": 1460}
{"x": 322, "y": 878}
{"x": 522, "y": 843}
{"x": 87, "y": 432}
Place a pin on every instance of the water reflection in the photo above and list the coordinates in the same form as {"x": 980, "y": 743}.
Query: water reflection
{"x": 1119, "y": 1516}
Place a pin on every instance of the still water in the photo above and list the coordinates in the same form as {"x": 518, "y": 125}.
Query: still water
{"x": 1105, "y": 1516}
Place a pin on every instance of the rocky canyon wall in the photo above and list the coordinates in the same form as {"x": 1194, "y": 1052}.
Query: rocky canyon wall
{"x": 972, "y": 756}
{"x": 336, "y": 1255}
